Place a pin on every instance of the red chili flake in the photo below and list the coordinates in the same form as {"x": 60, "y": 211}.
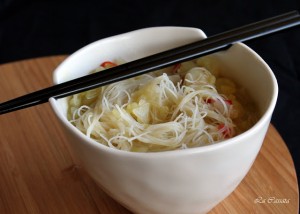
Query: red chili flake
{"x": 176, "y": 67}
{"x": 224, "y": 130}
{"x": 229, "y": 102}
{"x": 209, "y": 100}
{"x": 108, "y": 64}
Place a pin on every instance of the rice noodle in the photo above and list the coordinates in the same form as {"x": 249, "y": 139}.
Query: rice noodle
{"x": 164, "y": 110}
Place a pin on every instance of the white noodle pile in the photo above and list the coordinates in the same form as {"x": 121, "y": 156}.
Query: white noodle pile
{"x": 155, "y": 112}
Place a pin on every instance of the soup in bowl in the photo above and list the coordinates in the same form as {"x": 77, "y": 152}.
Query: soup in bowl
{"x": 186, "y": 171}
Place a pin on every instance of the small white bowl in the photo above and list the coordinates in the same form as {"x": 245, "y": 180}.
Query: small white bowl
{"x": 178, "y": 182}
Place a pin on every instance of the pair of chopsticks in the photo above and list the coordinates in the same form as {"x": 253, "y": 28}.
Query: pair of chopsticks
{"x": 180, "y": 54}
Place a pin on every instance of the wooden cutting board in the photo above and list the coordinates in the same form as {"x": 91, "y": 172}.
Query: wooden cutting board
{"x": 39, "y": 173}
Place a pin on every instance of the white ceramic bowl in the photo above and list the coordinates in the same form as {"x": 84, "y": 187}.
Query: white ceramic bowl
{"x": 178, "y": 182}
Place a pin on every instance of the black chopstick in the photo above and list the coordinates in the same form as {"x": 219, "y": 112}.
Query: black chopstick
{"x": 157, "y": 61}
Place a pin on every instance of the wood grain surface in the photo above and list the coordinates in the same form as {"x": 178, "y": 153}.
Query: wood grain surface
{"x": 39, "y": 173}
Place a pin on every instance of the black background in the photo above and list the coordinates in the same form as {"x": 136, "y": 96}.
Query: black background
{"x": 41, "y": 28}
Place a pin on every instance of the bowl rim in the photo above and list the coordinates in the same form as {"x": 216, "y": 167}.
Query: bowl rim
{"x": 264, "y": 118}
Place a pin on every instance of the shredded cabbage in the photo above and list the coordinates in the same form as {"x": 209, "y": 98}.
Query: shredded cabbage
{"x": 184, "y": 106}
